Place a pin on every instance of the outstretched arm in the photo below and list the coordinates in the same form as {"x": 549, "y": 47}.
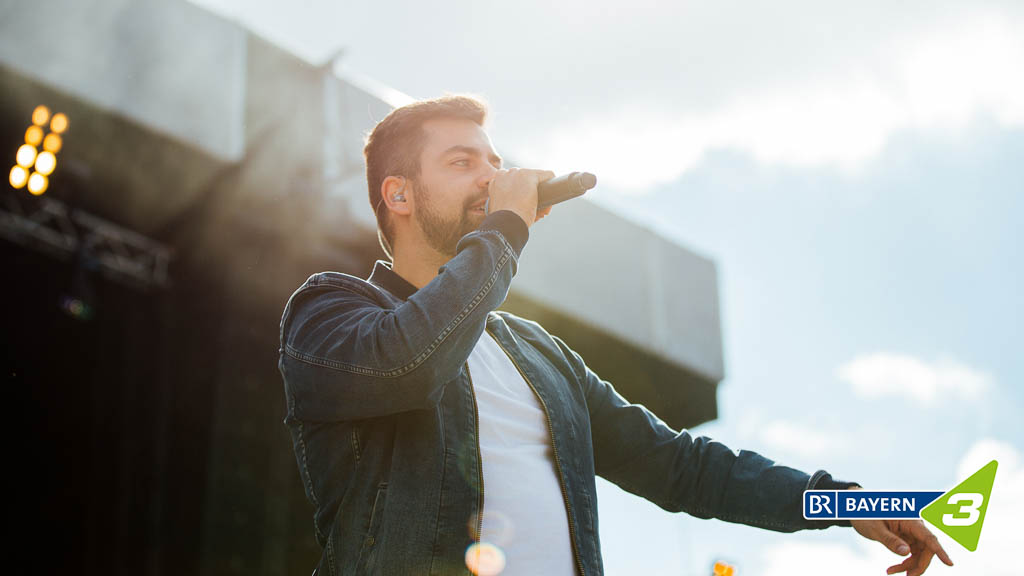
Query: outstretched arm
{"x": 682, "y": 473}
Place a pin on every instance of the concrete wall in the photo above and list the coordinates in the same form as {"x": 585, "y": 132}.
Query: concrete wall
{"x": 166, "y": 64}
{"x": 626, "y": 280}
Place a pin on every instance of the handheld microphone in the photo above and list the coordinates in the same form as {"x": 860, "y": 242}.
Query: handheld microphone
{"x": 564, "y": 187}
{"x": 559, "y": 189}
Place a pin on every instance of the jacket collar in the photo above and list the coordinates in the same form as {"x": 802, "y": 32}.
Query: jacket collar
{"x": 389, "y": 280}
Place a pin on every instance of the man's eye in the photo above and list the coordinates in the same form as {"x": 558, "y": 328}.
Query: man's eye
{"x": 462, "y": 162}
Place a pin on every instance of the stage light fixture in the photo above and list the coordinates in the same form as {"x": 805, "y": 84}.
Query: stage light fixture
{"x": 40, "y": 115}
{"x": 46, "y": 162}
{"x": 34, "y": 135}
{"x": 59, "y": 123}
{"x": 52, "y": 143}
{"x": 26, "y": 156}
{"x": 29, "y": 156}
{"x": 18, "y": 177}
{"x": 37, "y": 183}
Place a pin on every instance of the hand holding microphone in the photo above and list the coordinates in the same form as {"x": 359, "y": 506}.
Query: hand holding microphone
{"x": 531, "y": 193}
{"x": 515, "y": 189}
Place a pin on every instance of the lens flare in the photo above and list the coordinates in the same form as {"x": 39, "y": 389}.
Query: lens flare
{"x": 18, "y": 177}
{"x": 40, "y": 115}
{"x": 34, "y": 135}
{"x": 485, "y": 559}
{"x": 500, "y": 529}
{"x": 26, "y": 155}
{"x": 76, "y": 308}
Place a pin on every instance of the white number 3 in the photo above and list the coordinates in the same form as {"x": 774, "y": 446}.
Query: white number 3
{"x": 970, "y": 509}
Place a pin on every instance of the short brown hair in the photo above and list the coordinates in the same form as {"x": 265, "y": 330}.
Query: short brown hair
{"x": 394, "y": 146}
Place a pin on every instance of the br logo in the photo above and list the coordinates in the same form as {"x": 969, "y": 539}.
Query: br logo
{"x": 958, "y": 513}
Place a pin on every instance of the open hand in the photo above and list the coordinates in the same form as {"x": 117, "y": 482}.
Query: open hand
{"x": 904, "y": 537}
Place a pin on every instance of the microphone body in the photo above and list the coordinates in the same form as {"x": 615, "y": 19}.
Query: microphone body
{"x": 564, "y": 187}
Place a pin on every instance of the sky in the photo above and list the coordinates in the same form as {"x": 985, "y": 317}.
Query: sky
{"x": 854, "y": 170}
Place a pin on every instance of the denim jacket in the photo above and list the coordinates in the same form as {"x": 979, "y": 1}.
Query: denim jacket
{"x": 383, "y": 420}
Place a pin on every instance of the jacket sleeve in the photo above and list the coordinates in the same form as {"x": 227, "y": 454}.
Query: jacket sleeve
{"x": 634, "y": 449}
{"x": 345, "y": 357}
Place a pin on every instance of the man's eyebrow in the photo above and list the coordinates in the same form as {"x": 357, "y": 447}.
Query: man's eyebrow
{"x": 473, "y": 151}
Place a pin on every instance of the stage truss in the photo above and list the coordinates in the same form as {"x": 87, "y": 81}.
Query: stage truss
{"x": 52, "y": 226}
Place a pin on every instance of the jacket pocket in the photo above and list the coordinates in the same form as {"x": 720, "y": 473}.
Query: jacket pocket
{"x": 364, "y": 564}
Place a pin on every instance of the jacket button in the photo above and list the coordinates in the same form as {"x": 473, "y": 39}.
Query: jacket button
{"x": 369, "y": 541}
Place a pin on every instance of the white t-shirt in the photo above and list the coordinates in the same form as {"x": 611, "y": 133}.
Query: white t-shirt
{"x": 524, "y": 512}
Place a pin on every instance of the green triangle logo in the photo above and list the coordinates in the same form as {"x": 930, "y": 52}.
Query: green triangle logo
{"x": 961, "y": 511}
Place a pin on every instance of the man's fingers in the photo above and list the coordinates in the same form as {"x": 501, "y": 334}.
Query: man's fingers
{"x": 924, "y": 558}
{"x": 894, "y": 543}
{"x": 901, "y": 567}
{"x": 933, "y": 545}
{"x": 915, "y": 565}
{"x": 540, "y": 175}
{"x": 943, "y": 556}
{"x": 916, "y": 540}
{"x": 922, "y": 533}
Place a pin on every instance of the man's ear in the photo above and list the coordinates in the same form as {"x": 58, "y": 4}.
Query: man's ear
{"x": 395, "y": 190}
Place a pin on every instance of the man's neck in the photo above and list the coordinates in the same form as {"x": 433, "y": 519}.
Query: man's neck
{"x": 418, "y": 267}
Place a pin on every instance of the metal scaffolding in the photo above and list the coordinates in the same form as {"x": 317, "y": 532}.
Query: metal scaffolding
{"x": 52, "y": 226}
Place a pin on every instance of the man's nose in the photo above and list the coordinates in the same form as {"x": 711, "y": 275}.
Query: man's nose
{"x": 486, "y": 175}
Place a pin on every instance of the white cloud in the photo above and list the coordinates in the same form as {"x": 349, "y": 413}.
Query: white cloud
{"x": 884, "y": 374}
{"x": 796, "y": 438}
{"x": 986, "y": 450}
{"x": 938, "y": 79}
{"x": 997, "y": 550}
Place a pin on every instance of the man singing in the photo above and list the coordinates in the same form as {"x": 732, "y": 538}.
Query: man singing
{"x": 435, "y": 435}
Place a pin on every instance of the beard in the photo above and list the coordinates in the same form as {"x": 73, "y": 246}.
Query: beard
{"x": 442, "y": 233}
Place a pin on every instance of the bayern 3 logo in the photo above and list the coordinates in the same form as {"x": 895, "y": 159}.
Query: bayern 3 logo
{"x": 959, "y": 513}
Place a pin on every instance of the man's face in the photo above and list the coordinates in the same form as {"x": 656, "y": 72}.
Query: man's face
{"x": 456, "y": 165}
